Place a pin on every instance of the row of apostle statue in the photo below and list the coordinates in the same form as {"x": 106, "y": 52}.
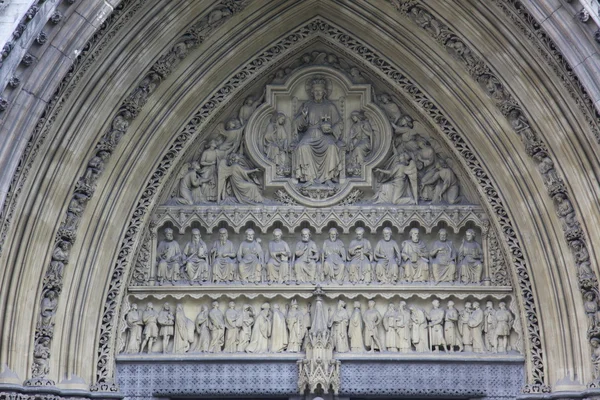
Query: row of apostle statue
{"x": 359, "y": 262}
{"x": 276, "y": 328}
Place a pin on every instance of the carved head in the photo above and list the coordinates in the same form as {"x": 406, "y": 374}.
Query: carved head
{"x": 354, "y": 72}
{"x": 196, "y": 234}
{"x": 150, "y": 306}
{"x": 169, "y": 234}
{"x": 195, "y": 165}
{"x": 134, "y": 307}
{"x": 589, "y": 296}
{"x": 476, "y": 305}
{"x": 357, "y": 304}
{"x": 470, "y": 235}
{"x": 371, "y": 304}
{"x": 223, "y": 234}
{"x": 249, "y": 101}
{"x": 443, "y": 234}
{"x": 341, "y": 304}
{"x": 265, "y": 306}
{"x": 502, "y": 305}
{"x": 435, "y": 303}
{"x": 167, "y": 307}
{"x": 468, "y": 305}
{"x": 391, "y": 307}
{"x": 277, "y": 234}
{"x": 359, "y": 232}
{"x": 280, "y": 118}
{"x": 318, "y": 89}
{"x": 333, "y": 234}
{"x": 51, "y": 295}
{"x": 294, "y": 304}
{"x": 276, "y": 306}
{"x": 215, "y": 304}
{"x": 231, "y": 305}
{"x": 402, "y": 305}
{"x": 387, "y": 234}
{"x": 385, "y": 98}
{"x": 450, "y": 304}
{"x": 305, "y": 234}
{"x": 355, "y": 116}
{"x": 414, "y": 235}
{"x": 595, "y": 342}
{"x": 212, "y": 144}
{"x": 489, "y": 304}
{"x": 250, "y": 235}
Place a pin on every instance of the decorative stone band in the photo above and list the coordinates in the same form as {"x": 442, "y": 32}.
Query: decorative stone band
{"x": 317, "y": 27}
{"x": 454, "y": 217}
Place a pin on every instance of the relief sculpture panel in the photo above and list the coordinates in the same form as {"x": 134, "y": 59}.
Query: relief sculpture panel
{"x": 319, "y": 218}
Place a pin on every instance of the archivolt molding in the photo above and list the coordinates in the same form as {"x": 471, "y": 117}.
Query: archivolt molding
{"x": 534, "y": 146}
{"x": 317, "y": 27}
{"x": 88, "y": 56}
{"x": 527, "y": 24}
{"x": 86, "y": 185}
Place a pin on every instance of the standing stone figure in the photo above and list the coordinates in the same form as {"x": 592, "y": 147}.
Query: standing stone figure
{"x": 436, "y": 321}
{"x": 443, "y": 259}
{"x": 420, "y": 337}
{"x": 387, "y": 254}
{"x": 134, "y": 324}
{"x": 208, "y": 171}
{"x": 261, "y": 332}
{"x": 489, "y": 328}
{"x": 319, "y": 123}
{"x": 231, "y": 326}
{"x": 168, "y": 258}
{"x": 463, "y": 326}
{"x": 404, "y": 328}
{"x": 48, "y": 309}
{"x": 333, "y": 257}
{"x": 504, "y": 321}
{"x": 278, "y": 266}
{"x": 361, "y": 139}
{"x": 296, "y": 328}
{"x": 276, "y": 143}
{"x": 361, "y": 256}
{"x": 194, "y": 258}
{"x": 307, "y": 255}
{"x": 184, "y": 331}
{"x": 338, "y": 323}
{"x": 416, "y": 258}
{"x": 203, "y": 342}
{"x": 245, "y": 323}
{"x": 41, "y": 355}
{"x": 389, "y": 324}
{"x": 591, "y": 309}
{"x": 372, "y": 319}
{"x": 223, "y": 255}
{"x": 476, "y": 325}
{"x": 166, "y": 320}
{"x": 279, "y": 331}
{"x": 150, "y": 319}
{"x": 250, "y": 258}
{"x": 451, "y": 332}
{"x": 355, "y": 330}
{"x": 216, "y": 326}
{"x": 470, "y": 259}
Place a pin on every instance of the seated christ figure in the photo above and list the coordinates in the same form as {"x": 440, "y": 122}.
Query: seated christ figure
{"x": 320, "y": 127}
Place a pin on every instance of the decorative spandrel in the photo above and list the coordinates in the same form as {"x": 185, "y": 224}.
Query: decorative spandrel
{"x": 318, "y": 136}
